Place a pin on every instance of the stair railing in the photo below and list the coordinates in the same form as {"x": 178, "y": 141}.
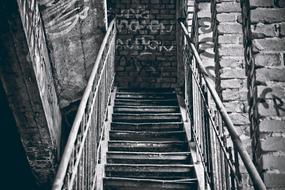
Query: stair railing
{"x": 217, "y": 141}
{"x": 77, "y": 169}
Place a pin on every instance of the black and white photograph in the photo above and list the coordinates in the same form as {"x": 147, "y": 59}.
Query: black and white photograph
{"x": 142, "y": 94}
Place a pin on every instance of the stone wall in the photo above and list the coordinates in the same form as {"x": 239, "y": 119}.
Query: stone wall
{"x": 146, "y": 43}
{"x": 264, "y": 31}
{"x": 27, "y": 79}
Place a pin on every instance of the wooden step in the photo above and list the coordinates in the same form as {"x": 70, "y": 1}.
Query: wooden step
{"x": 146, "y": 117}
{"x": 146, "y": 109}
{"x": 147, "y": 135}
{"x": 150, "y": 171}
{"x": 161, "y": 126}
{"x": 149, "y": 157}
{"x": 148, "y": 146}
{"x": 115, "y": 183}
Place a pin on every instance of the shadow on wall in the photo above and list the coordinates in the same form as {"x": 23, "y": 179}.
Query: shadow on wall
{"x": 15, "y": 170}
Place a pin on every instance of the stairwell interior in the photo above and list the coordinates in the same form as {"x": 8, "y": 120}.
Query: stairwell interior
{"x": 148, "y": 146}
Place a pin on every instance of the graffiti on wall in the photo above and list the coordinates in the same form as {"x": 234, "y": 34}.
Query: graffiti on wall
{"x": 141, "y": 29}
{"x": 206, "y": 44}
{"x": 144, "y": 44}
{"x": 61, "y": 16}
{"x": 140, "y": 66}
{"x": 278, "y": 103}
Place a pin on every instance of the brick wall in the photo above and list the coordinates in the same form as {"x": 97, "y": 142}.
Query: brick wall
{"x": 229, "y": 57}
{"x": 264, "y": 32}
{"x": 146, "y": 43}
{"x": 231, "y": 80}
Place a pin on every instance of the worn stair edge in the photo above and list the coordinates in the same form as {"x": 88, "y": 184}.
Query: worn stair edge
{"x": 146, "y": 109}
{"x": 158, "y": 126}
{"x": 123, "y": 117}
{"x": 145, "y": 100}
{"x": 149, "y": 157}
{"x": 111, "y": 183}
{"x": 190, "y": 180}
{"x": 151, "y": 171}
{"x": 145, "y": 96}
{"x": 152, "y": 90}
{"x": 148, "y": 146}
{"x": 147, "y": 135}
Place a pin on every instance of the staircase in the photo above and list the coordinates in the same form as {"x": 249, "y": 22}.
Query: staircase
{"x": 148, "y": 148}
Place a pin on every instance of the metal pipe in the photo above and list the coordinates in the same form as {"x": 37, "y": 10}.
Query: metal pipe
{"x": 251, "y": 169}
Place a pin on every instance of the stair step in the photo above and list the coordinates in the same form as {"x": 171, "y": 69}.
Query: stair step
{"x": 146, "y": 109}
{"x": 146, "y": 91}
{"x": 161, "y": 126}
{"x": 145, "y": 96}
{"x": 147, "y": 135}
{"x": 146, "y": 117}
{"x": 150, "y": 171}
{"x": 149, "y": 146}
{"x": 149, "y": 158}
{"x": 169, "y": 102}
{"x": 115, "y": 183}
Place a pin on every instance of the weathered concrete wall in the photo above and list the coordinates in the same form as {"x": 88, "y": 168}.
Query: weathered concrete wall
{"x": 146, "y": 43}
{"x": 75, "y": 30}
{"x": 27, "y": 79}
{"x": 264, "y": 31}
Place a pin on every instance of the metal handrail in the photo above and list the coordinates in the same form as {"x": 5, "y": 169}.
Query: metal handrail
{"x": 250, "y": 167}
{"x": 62, "y": 169}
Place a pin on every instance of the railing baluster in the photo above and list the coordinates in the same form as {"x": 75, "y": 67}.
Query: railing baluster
{"x": 203, "y": 124}
{"x": 81, "y": 154}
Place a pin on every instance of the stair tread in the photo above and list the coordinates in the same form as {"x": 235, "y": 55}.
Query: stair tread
{"x": 148, "y": 153}
{"x": 146, "y": 106}
{"x": 111, "y": 183}
{"x": 145, "y": 92}
{"x": 156, "y": 142}
{"x": 145, "y": 100}
{"x": 147, "y": 127}
{"x": 152, "y": 165}
{"x": 149, "y": 157}
{"x": 153, "y": 171}
{"x": 151, "y": 132}
{"x": 145, "y": 96}
{"x": 148, "y": 123}
{"x": 190, "y": 180}
{"x": 145, "y": 110}
{"x": 146, "y": 114}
